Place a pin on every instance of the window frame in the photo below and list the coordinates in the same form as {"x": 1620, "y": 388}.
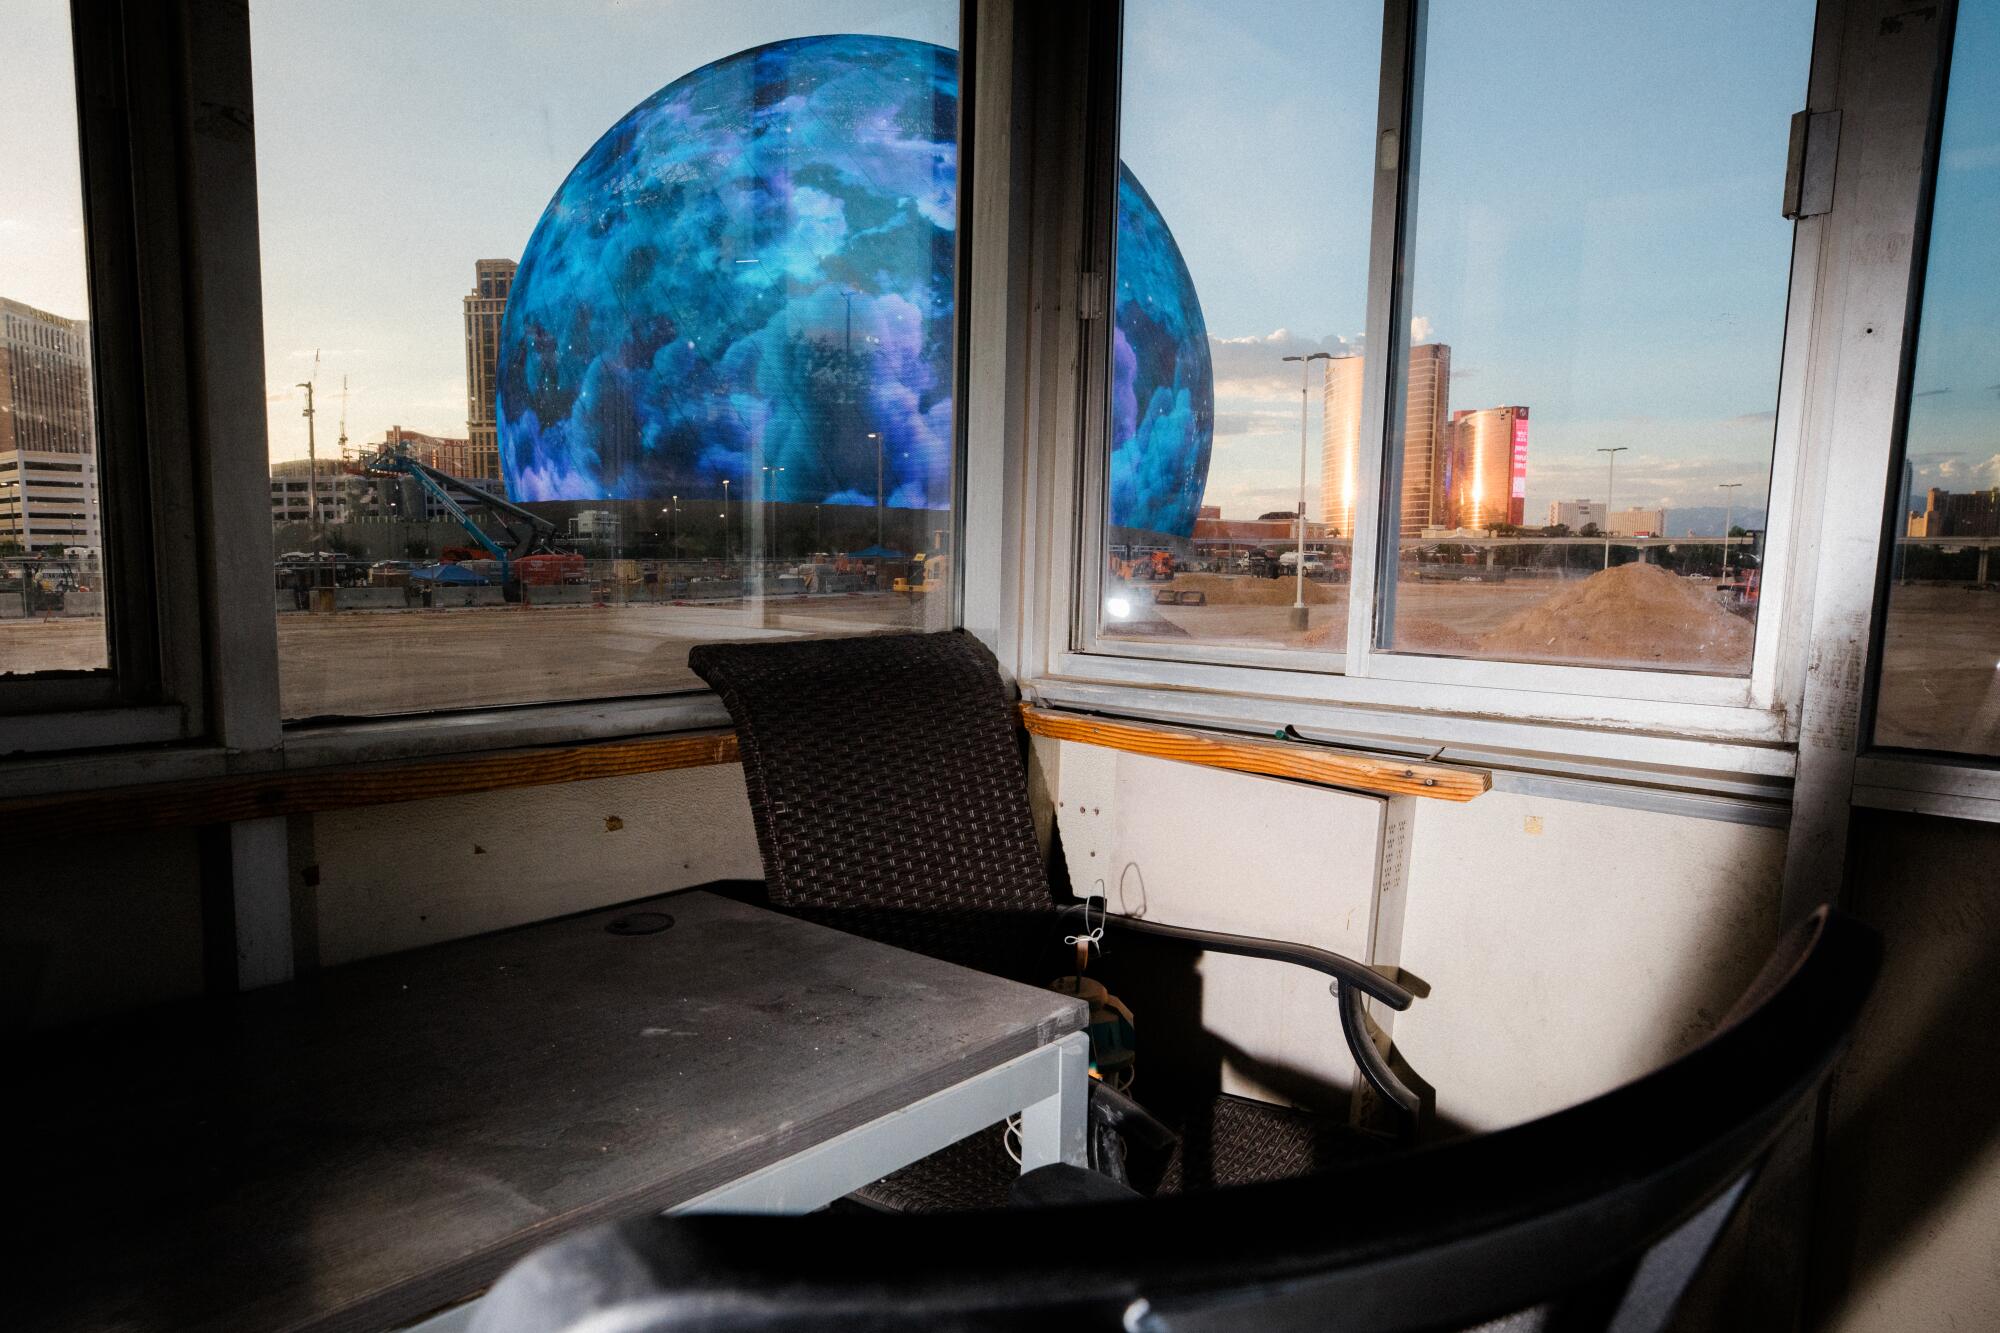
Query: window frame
{"x": 169, "y": 224}
{"x": 1902, "y": 777}
{"x": 1072, "y": 658}
{"x": 150, "y": 690}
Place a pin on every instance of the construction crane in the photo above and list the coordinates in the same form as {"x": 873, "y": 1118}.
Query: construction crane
{"x": 526, "y": 534}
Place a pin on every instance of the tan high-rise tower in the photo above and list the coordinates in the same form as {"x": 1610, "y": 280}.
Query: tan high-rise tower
{"x": 484, "y": 306}
{"x": 1489, "y": 474}
{"x": 1426, "y": 440}
{"x": 48, "y": 432}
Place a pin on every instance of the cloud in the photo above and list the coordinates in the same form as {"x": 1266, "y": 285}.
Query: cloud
{"x": 1930, "y": 393}
{"x": 1256, "y": 422}
{"x": 1253, "y": 368}
{"x": 1420, "y": 328}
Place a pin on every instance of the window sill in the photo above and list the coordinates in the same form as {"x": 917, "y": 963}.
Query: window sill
{"x": 1955, "y": 788}
{"x": 1664, "y": 760}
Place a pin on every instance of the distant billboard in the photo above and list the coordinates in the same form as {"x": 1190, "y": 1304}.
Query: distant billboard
{"x": 1517, "y": 502}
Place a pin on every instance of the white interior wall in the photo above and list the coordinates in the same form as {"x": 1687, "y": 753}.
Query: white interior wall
{"x": 398, "y": 876}
{"x": 1568, "y": 946}
{"x": 1245, "y": 855}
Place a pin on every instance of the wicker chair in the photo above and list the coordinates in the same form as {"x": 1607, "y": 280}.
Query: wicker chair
{"x": 890, "y": 800}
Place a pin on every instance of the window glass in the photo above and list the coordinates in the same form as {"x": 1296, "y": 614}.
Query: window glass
{"x": 1240, "y": 291}
{"x": 51, "y": 525}
{"x": 1940, "y": 684}
{"x": 588, "y": 341}
{"x": 1596, "y": 286}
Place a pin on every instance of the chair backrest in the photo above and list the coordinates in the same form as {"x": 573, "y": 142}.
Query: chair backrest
{"x": 1594, "y": 1217}
{"x": 888, "y": 790}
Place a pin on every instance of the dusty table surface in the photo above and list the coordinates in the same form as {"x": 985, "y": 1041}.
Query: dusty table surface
{"x": 355, "y": 1151}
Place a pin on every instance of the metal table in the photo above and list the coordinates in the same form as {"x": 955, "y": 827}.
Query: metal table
{"x": 361, "y": 1150}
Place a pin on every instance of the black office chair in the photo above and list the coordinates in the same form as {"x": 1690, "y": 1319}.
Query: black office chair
{"x": 890, "y": 800}
{"x": 1596, "y": 1217}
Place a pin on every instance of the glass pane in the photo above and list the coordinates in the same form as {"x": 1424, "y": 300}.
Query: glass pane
{"x": 1940, "y": 687}
{"x": 590, "y": 340}
{"x": 1598, "y": 275}
{"x": 51, "y": 526}
{"x": 1247, "y": 137}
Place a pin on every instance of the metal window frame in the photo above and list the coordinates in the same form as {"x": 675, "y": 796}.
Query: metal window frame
{"x": 1071, "y": 654}
{"x": 1893, "y": 777}
{"x": 177, "y": 311}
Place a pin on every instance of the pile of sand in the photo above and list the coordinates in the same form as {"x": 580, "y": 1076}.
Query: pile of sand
{"x": 1224, "y": 590}
{"x": 1635, "y": 614}
{"x": 1416, "y": 635}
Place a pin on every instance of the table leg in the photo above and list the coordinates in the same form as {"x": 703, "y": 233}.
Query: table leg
{"x": 1053, "y": 1129}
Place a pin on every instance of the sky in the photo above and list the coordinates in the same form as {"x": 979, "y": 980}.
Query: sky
{"x": 1954, "y": 434}
{"x": 1607, "y": 251}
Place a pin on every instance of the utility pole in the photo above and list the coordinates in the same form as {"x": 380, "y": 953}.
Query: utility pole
{"x": 1610, "y": 475}
{"x": 1300, "y": 615}
{"x": 1728, "y": 512}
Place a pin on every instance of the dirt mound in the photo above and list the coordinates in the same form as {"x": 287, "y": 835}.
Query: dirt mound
{"x": 1432, "y": 636}
{"x": 1241, "y": 590}
{"x": 1635, "y": 614}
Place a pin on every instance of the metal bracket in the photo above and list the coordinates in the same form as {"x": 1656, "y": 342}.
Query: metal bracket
{"x": 1809, "y": 165}
{"x": 1092, "y": 295}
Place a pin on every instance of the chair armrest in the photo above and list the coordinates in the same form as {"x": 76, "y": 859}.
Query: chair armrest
{"x": 1341, "y": 968}
{"x": 1351, "y": 981}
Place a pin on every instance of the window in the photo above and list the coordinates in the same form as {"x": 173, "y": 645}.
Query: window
{"x": 1569, "y": 451}
{"x": 599, "y": 340}
{"x": 52, "y": 614}
{"x": 1939, "y": 687}
{"x": 1596, "y": 294}
{"x": 1230, "y": 303}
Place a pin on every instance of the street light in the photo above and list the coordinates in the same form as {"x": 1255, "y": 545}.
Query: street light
{"x": 876, "y": 436}
{"x": 1728, "y": 512}
{"x": 1611, "y": 471}
{"x": 1301, "y": 616}
{"x": 771, "y": 511}
{"x": 725, "y": 525}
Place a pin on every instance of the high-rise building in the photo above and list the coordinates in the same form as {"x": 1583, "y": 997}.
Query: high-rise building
{"x": 1576, "y": 515}
{"x": 1489, "y": 467}
{"x": 484, "y": 306}
{"x": 1957, "y": 514}
{"x": 1638, "y": 523}
{"x": 48, "y": 432}
{"x": 1426, "y": 440}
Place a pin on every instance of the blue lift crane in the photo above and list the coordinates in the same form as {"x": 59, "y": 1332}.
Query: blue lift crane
{"x": 526, "y": 533}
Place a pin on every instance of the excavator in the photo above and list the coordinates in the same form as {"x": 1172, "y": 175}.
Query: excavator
{"x": 528, "y": 536}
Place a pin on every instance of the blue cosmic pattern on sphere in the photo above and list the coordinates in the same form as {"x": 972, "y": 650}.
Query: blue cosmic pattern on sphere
{"x": 754, "y": 270}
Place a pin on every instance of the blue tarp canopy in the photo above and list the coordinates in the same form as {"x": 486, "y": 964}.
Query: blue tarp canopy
{"x": 877, "y": 553}
{"x": 455, "y": 574}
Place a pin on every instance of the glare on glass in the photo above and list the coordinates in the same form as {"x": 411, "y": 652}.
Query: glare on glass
{"x": 1940, "y": 670}
{"x": 599, "y": 341}
{"x": 51, "y": 519}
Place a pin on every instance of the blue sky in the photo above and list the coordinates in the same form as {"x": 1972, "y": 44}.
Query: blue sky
{"x": 1954, "y": 436}
{"x": 1606, "y": 250}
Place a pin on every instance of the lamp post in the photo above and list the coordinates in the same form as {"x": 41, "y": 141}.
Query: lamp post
{"x": 1610, "y": 473}
{"x": 1300, "y": 615}
{"x": 673, "y": 513}
{"x": 876, "y": 436}
{"x": 771, "y": 481}
{"x": 1728, "y": 512}
{"x": 725, "y": 525}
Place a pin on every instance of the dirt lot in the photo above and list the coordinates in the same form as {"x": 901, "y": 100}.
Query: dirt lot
{"x": 352, "y": 663}
{"x": 1941, "y": 688}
